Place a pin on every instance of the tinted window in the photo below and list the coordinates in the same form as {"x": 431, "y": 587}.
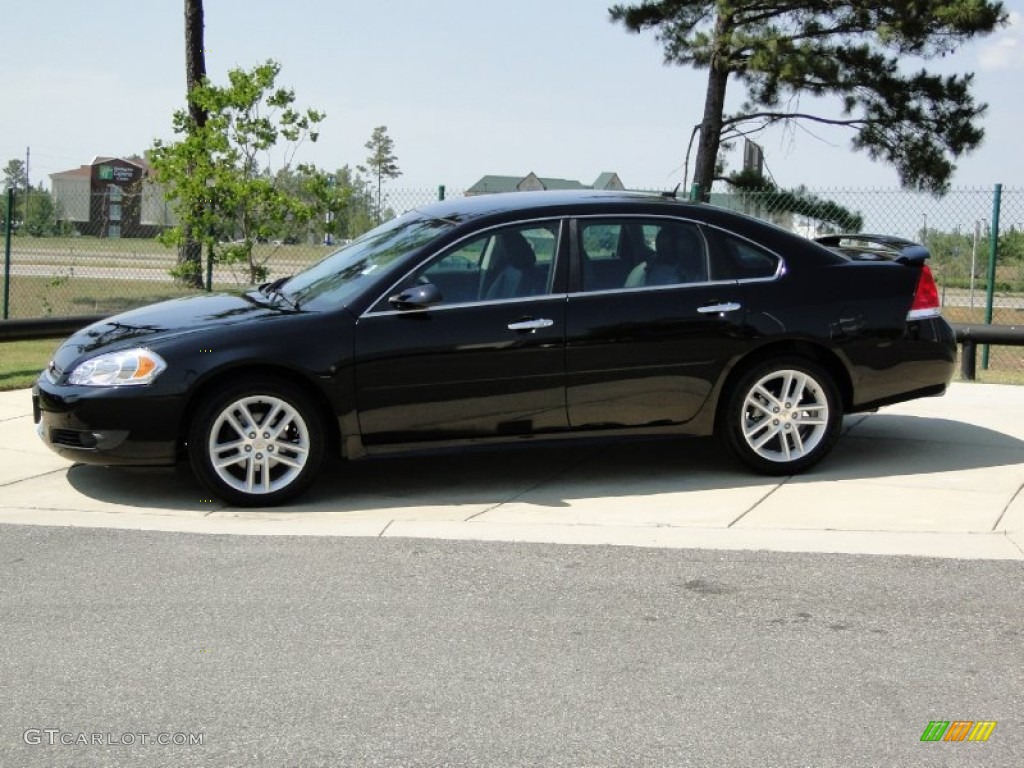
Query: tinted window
{"x": 748, "y": 261}
{"x": 508, "y": 263}
{"x": 635, "y": 254}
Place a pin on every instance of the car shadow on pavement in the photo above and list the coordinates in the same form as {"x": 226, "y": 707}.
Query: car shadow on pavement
{"x": 457, "y": 484}
{"x": 173, "y": 489}
{"x": 888, "y": 445}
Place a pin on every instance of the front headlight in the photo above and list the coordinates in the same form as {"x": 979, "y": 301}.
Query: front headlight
{"x": 129, "y": 367}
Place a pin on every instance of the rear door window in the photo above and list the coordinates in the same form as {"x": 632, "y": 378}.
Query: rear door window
{"x": 638, "y": 253}
{"x": 745, "y": 260}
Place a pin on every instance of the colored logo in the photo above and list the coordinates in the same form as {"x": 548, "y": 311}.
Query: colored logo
{"x": 958, "y": 730}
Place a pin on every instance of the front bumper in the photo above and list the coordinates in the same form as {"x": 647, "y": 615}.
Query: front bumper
{"x": 106, "y": 425}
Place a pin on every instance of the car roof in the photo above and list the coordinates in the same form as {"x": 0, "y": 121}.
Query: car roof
{"x": 549, "y": 201}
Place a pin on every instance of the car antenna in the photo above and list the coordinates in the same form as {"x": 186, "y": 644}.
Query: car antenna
{"x": 673, "y": 194}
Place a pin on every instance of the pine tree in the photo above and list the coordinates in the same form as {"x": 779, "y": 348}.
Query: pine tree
{"x": 382, "y": 161}
{"x": 916, "y": 121}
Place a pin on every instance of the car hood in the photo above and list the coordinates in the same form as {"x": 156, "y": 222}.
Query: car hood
{"x": 147, "y": 325}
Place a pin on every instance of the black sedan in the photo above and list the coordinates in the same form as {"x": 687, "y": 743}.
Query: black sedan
{"x": 504, "y": 317}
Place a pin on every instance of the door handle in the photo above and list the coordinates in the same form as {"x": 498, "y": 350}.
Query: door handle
{"x": 530, "y": 325}
{"x": 715, "y": 309}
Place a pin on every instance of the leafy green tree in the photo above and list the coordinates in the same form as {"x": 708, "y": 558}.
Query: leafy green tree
{"x": 857, "y": 52}
{"x": 382, "y": 161}
{"x": 40, "y": 213}
{"x": 14, "y": 178}
{"x": 14, "y": 174}
{"x": 1011, "y": 246}
{"x": 951, "y": 255}
{"x": 213, "y": 174}
{"x": 353, "y": 210}
{"x": 343, "y": 201}
{"x": 325, "y": 200}
{"x": 358, "y": 216}
{"x": 340, "y": 205}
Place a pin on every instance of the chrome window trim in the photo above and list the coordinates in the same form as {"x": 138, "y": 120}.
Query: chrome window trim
{"x": 468, "y": 304}
{"x": 780, "y": 267}
{"x": 673, "y": 286}
{"x": 778, "y": 275}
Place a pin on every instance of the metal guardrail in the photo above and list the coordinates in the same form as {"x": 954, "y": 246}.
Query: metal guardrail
{"x": 967, "y": 336}
{"x": 970, "y": 336}
{"x": 44, "y": 328}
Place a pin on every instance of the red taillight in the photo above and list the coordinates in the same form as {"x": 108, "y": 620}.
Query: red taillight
{"x": 926, "y": 297}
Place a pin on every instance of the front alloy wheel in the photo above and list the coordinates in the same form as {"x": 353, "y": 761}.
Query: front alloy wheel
{"x": 783, "y": 417}
{"x": 258, "y": 444}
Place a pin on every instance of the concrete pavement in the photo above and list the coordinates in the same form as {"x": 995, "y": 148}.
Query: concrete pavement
{"x": 940, "y": 477}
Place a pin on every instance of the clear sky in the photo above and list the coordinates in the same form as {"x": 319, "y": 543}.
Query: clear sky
{"x": 465, "y": 87}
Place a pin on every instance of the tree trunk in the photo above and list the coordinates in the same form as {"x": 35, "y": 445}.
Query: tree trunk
{"x": 195, "y": 56}
{"x": 710, "y": 133}
{"x": 190, "y": 257}
{"x": 714, "y": 106}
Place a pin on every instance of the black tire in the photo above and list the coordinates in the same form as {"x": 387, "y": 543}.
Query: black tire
{"x": 779, "y": 435}
{"x": 264, "y": 464}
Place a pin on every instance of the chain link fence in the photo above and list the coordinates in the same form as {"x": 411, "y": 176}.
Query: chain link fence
{"x": 957, "y": 229}
{"x": 85, "y": 253}
{"x": 88, "y": 254}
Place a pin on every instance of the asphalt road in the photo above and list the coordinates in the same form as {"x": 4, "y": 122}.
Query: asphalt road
{"x": 281, "y": 651}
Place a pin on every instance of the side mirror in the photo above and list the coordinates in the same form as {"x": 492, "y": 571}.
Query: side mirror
{"x": 417, "y": 297}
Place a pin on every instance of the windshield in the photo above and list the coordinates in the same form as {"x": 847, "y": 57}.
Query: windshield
{"x": 338, "y": 276}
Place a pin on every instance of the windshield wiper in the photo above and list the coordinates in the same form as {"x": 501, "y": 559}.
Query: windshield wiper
{"x": 273, "y": 288}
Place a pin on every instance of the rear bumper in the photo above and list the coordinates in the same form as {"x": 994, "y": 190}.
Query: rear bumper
{"x": 933, "y": 391}
{"x": 921, "y": 364}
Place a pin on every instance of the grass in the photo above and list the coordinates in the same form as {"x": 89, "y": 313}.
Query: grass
{"x": 1006, "y": 364}
{"x": 1000, "y": 315}
{"x": 127, "y": 253}
{"x": 21, "y": 362}
{"x": 999, "y": 376}
{"x": 67, "y": 296}
{"x": 126, "y": 246}
{"x": 75, "y": 289}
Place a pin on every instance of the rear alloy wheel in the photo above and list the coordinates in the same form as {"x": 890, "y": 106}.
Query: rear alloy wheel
{"x": 257, "y": 444}
{"x": 783, "y": 416}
